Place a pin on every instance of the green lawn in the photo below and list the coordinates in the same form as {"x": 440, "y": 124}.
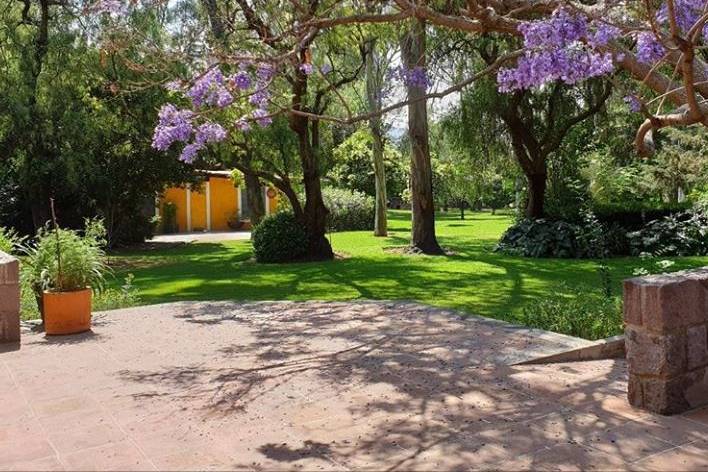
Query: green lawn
{"x": 475, "y": 279}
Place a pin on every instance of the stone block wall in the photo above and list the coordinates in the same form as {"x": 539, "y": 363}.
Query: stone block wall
{"x": 666, "y": 323}
{"x": 9, "y": 298}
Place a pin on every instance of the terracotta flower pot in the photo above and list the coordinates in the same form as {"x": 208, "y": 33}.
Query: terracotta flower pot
{"x": 67, "y": 312}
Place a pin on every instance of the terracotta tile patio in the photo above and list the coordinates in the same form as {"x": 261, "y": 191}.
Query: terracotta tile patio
{"x": 323, "y": 386}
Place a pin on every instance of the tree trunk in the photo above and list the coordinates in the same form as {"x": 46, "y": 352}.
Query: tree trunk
{"x": 422, "y": 205}
{"x": 315, "y": 212}
{"x": 256, "y": 198}
{"x": 373, "y": 94}
{"x": 536, "y": 194}
{"x": 462, "y": 210}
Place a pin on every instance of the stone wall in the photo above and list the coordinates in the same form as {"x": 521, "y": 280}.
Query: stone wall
{"x": 666, "y": 320}
{"x": 9, "y": 298}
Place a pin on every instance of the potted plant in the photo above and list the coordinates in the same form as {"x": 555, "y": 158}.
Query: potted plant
{"x": 64, "y": 267}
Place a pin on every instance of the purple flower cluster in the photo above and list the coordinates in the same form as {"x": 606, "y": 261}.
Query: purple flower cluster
{"x": 634, "y": 104}
{"x": 416, "y": 77}
{"x": 307, "y": 68}
{"x": 174, "y": 125}
{"x": 262, "y": 117}
{"x": 241, "y": 80}
{"x": 563, "y": 47}
{"x": 687, "y": 14}
{"x": 178, "y": 125}
{"x": 649, "y": 49}
{"x": 209, "y": 89}
{"x": 212, "y": 89}
{"x": 206, "y": 133}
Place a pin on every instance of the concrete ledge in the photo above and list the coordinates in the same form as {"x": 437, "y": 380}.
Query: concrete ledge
{"x": 9, "y": 299}
{"x": 610, "y": 348}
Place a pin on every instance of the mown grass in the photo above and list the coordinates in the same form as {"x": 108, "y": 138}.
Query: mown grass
{"x": 475, "y": 279}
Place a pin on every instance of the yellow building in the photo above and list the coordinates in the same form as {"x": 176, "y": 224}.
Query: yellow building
{"x": 216, "y": 205}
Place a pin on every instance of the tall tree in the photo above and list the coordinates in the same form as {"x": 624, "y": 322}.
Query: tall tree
{"x": 374, "y": 98}
{"x": 423, "y": 206}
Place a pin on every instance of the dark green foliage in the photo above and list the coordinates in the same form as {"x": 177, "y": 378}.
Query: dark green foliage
{"x": 169, "y": 218}
{"x": 348, "y": 210}
{"x": 633, "y": 216}
{"x": 279, "y": 238}
{"x": 682, "y": 234}
{"x": 546, "y": 238}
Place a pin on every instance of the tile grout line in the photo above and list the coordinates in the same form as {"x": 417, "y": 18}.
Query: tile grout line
{"x": 34, "y": 415}
{"x": 662, "y": 452}
{"x": 115, "y": 422}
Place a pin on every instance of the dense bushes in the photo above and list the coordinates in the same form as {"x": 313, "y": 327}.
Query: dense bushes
{"x": 279, "y": 238}
{"x": 545, "y": 238}
{"x": 676, "y": 234}
{"x": 348, "y": 210}
{"x": 683, "y": 234}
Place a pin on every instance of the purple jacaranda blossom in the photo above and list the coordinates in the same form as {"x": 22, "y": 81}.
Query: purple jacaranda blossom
{"x": 633, "y": 103}
{"x": 265, "y": 72}
{"x": 243, "y": 124}
{"x": 326, "y": 68}
{"x": 415, "y": 77}
{"x": 209, "y": 89}
{"x": 602, "y": 33}
{"x": 649, "y": 49}
{"x": 189, "y": 153}
{"x": 260, "y": 98}
{"x": 687, "y": 12}
{"x": 563, "y": 47}
{"x": 241, "y": 80}
{"x": 209, "y": 132}
{"x": 307, "y": 68}
{"x": 262, "y": 117}
{"x": 173, "y": 125}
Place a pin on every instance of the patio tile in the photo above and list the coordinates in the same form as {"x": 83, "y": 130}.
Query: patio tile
{"x": 115, "y": 456}
{"x": 691, "y": 457}
{"x": 321, "y": 386}
{"x": 49, "y": 463}
{"x": 74, "y": 439}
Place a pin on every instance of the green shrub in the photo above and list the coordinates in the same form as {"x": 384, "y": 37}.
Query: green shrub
{"x": 279, "y": 238}
{"x": 169, "y": 218}
{"x": 9, "y": 240}
{"x": 683, "y": 234}
{"x": 348, "y": 210}
{"x": 576, "y": 312}
{"x": 545, "y": 238}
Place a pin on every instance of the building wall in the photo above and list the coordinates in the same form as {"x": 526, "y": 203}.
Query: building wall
{"x": 223, "y": 204}
{"x": 199, "y": 208}
{"x": 178, "y": 196}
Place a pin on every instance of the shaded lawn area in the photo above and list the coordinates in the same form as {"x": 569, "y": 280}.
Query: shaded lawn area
{"x": 475, "y": 279}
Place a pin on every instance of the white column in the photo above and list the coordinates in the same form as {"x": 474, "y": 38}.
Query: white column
{"x": 189, "y": 208}
{"x": 157, "y": 205}
{"x": 208, "y": 205}
{"x": 238, "y": 200}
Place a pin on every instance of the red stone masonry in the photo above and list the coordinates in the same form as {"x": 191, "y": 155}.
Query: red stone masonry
{"x": 666, "y": 322}
{"x": 9, "y": 298}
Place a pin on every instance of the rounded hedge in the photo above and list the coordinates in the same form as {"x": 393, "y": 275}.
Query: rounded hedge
{"x": 349, "y": 210}
{"x": 279, "y": 238}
